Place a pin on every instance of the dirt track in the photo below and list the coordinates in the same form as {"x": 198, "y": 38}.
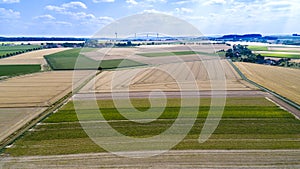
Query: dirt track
{"x": 171, "y": 159}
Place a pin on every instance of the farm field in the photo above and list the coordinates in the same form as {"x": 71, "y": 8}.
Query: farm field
{"x": 174, "y": 53}
{"x": 247, "y": 123}
{"x": 172, "y": 64}
{"x": 167, "y": 77}
{"x": 66, "y": 60}
{"x": 13, "y": 70}
{"x": 280, "y": 55}
{"x": 252, "y": 126}
{"x": 277, "y": 51}
{"x": 24, "y": 97}
{"x": 34, "y": 57}
{"x": 284, "y": 81}
{"x": 17, "y": 49}
{"x": 175, "y": 159}
{"x": 274, "y": 48}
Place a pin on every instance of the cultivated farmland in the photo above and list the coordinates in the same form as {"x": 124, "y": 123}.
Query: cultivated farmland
{"x": 67, "y": 60}
{"x": 34, "y": 57}
{"x": 13, "y": 70}
{"x": 277, "y": 51}
{"x": 284, "y": 81}
{"x": 167, "y": 65}
{"x": 7, "y": 51}
{"x": 23, "y": 98}
{"x": 251, "y": 126}
{"x": 167, "y": 77}
{"x": 247, "y": 123}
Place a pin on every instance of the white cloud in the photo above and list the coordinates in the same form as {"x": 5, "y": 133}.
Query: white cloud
{"x": 9, "y": 1}
{"x": 144, "y": 4}
{"x": 98, "y": 20}
{"x": 106, "y": 18}
{"x": 54, "y": 8}
{"x": 74, "y": 5}
{"x": 63, "y": 23}
{"x": 98, "y": 1}
{"x": 131, "y": 2}
{"x": 157, "y": 1}
{"x": 9, "y": 14}
{"x": 156, "y": 11}
{"x": 66, "y": 6}
{"x": 185, "y": 2}
{"x": 184, "y": 10}
{"x": 46, "y": 17}
{"x": 213, "y": 2}
{"x": 82, "y": 15}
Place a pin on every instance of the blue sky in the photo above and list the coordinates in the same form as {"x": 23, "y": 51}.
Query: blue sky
{"x": 85, "y": 17}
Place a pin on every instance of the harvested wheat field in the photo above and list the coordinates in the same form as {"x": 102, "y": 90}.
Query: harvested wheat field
{"x": 208, "y": 48}
{"x": 284, "y": 81}
{"x": 168, "y": 77}
{"x": 35, "y": 57}
{"x": 23, "y": 98}
{"x": 171, "y": 68}
{"x": 135, "y": 53}
{"x": 12, "y": 119}
{"x": 39, "y": 89}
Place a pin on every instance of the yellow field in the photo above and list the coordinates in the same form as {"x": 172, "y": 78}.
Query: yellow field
{"x": 191, "y": 71}
{"x": 133, "y": 53}
{"x": 39, "y": 89}
{"x": 167, "y": 77}
{"x": 25, "y": 97}
{"x": 34, "y": 57}
{"x": 284, "y": 81}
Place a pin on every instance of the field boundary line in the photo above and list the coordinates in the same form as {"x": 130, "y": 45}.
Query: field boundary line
{"x": 286, "y": 100}
{"x": 51, "y": 108}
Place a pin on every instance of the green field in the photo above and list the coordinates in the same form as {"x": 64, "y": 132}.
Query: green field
{"x": 70, "y": 59}
{"x": 258, "y": 48}
{"x": 14, "y": 70}
{"x": 6, "y": 51}
{"x": 274, "y": 53}
{"x": 247, "y": 123}
{"x": 280, "y": 55}
{"x": 178, "y": 53}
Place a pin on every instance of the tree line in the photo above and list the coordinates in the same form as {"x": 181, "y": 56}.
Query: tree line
{"x": 240, "y": 53}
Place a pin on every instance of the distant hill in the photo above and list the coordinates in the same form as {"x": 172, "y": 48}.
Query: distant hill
{"x": 15, "y": 39}
{"x": 246, "y": 36}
